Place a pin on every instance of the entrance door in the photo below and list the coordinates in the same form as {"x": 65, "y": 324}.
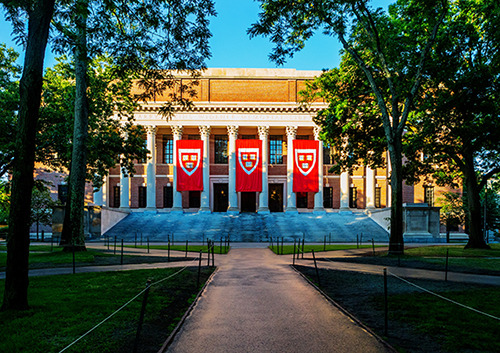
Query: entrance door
{"x": 194, "y": 199}
{"x": 220, "y": 197}
{"x": 248, "y": 202}
{"x": 276, "y": 197}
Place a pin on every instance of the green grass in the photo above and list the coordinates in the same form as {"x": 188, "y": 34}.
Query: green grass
{"x": 288, "y": 249}
{"x": 191, "y": 248}
{"x": 65, "y": 307}
{"x": 418, "y": 321}
{"x": 453, "y": 251}
{"x": 59, "y": 258}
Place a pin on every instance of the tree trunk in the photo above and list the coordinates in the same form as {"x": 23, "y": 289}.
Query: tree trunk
{"x": 80, "y": 132}
{"x": 396, "y": 242}
{"x": 30, "y": 89}
{"x": 476, "y": 239}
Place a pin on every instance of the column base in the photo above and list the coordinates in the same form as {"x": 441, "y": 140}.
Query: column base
{"x": 319, "y": 210}
{"x": 291, "y": 209}
{"x": 345, "y": 210}
{"x": 205, "y": 210}
{"x": 177, "y": 210}
{"x": 370, "y": 207}
{"x": 263, "y": 210}
{"x": 233, "y": 210}
{"x": 150, "y": 209}
{"x": 125, "y": 208}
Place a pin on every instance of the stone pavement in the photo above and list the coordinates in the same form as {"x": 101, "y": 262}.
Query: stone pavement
{"x": 257, "y": 303}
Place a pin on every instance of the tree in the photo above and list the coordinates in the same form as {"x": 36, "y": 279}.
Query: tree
{"x": 452, "y": 212}
{"x": 38, "y": 15}
{"x": 391, "y": 51}
{"x": 152, "y": 38}
{"x": 9, "y": 105}
{"x": 42, "y": 205}
{"x": 457, "y": 124}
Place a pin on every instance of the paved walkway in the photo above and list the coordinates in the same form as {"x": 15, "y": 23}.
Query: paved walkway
{"x": 257, "y": 303}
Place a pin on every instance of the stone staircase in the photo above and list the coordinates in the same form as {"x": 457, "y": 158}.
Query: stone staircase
{"x": 248, "y": 227}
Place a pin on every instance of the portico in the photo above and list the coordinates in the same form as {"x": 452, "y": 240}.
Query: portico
{"x": 234, "y": 104}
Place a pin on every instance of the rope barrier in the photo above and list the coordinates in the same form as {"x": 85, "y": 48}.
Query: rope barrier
{"x": 122, "y": 307}
{"x": 444, "y": 298}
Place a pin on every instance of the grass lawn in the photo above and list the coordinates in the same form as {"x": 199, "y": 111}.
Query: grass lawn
{"x": 288, "y": 249}
{"x": 65, "y": 307}
{"x": 193, "y": 248}
{"x": 434, "y": 258}
{"x": 418, "y": 322}
{"x": 59, "y": 258}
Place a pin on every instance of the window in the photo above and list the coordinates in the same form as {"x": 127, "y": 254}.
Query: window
{"x": 327, "y": 154}
{"x": 116, "y": 196}
{"x": 143, "y": 161}
{"x": 142, "y": 196}
{"x": 220, "y": 149}
{"x": 248, "y": 137}
{"x": 168, "y": 149}
{"x": 353, "y": 197}
{"x": 62, "y": 193}
{"x": 276, "y": 149}
{"x": 429, "y": 195}
{"x": 328, "y": 197}
{"x": 378, "y": 197}
{"x": 302, "y": 137}
{"x": 168, "y": 196}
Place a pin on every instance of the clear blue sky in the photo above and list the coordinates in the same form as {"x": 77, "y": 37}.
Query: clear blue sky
{"x": 231, "y": 45}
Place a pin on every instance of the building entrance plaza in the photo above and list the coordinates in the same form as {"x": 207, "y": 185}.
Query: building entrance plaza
{"x": 234, "y": 104}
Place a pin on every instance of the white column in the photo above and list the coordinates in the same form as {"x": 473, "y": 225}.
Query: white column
{"x": 264, "y": 195}
{"x": 233, "y": 195}
{"x": 344, "y": 191}
{"x": 105, "y": 190}
{"x": 151, "y": 169}
{"x": 177, "y": 135}
{"x": 318, "y": 197}
{"x": 291, "y": 132}
{"x": 124, "y": 190}
{"x": 205, "y": 194}
{"x": 370, "y": 188}
{"x": 98, "y": 197}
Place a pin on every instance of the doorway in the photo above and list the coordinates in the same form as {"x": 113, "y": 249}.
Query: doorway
{"x": 248, "y": 201}
{"x": 194, "y": 199}
{"x": 220, "y": 197}
{"x": 276, "y": 197}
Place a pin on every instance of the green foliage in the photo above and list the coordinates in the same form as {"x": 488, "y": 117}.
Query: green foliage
{"x": 4, "y": 202}
{"x": 9, "y": 105}
{"x": 452, "y": 211}
{"x": 42, "y": 204}
{"x": 110, "y": 142}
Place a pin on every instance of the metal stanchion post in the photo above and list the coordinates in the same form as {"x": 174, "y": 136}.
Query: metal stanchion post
{"x": 187, "y": 241}
{"x": 386, "y": 307}
{"x": 121, "y": 256}
{"x": 141, "y": 316}
{"x": 446, "y": 267}
{"x": 316, "y": 267}
{"x": 199, "y": 272}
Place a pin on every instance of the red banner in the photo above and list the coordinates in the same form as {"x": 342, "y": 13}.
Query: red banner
{"x": 189, "y": 165}
{"x": 249, "y": 165}
{"x": 305, "y": 166}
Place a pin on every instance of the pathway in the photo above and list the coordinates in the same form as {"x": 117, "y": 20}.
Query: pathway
{"x": 257, "y": 303}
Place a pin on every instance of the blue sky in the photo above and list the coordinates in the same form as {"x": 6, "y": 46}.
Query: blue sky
{"x": 232, "y": 47}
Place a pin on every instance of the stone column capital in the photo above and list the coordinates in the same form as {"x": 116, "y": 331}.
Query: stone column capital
{"x": 232, "y": 130}
{"x": 151, "y": 129}
{"x": 204, "y": 130}
{"x": 317, "y": 131}
{"x": 177, "y": 130}
{"x": 263, "y": 132}
{"x": 291, "y": 131}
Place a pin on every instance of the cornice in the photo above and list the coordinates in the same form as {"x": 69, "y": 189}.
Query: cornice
{"x": 238, "y": 108}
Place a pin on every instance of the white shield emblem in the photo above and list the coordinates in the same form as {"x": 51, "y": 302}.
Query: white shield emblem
{"x": 305, "y": 159}
{"x": 189, "y": 159}
{"x": 248, "y": 159}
